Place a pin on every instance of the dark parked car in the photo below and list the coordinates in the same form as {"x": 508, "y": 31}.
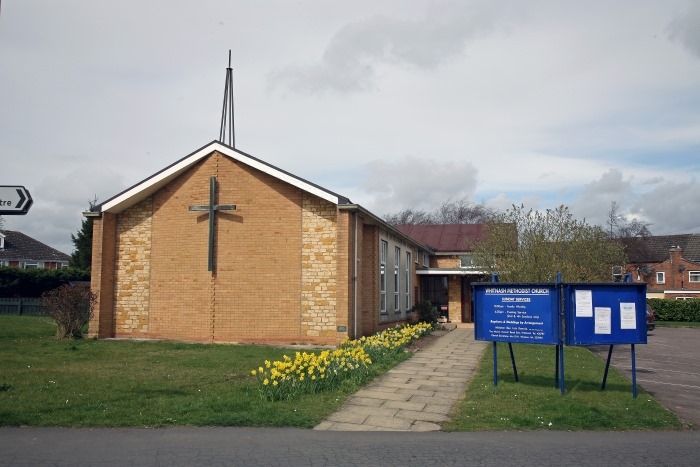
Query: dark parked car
{"x": 651, "y": 317}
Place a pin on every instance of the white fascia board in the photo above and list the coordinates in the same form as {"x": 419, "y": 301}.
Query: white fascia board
{"x": 151, "y": 185}
{"x": 682, "y": 291}
{"x": 450, "y": 272}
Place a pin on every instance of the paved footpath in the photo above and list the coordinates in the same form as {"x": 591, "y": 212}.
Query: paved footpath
{"x": 417, "y": 394}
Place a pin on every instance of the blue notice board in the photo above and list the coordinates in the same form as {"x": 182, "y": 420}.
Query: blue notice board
{"x": 526, "y": 313}
{"x": 598, "y": 314}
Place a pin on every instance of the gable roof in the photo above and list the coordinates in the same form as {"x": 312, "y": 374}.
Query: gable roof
{"x": 654, "y": 249}
{"x": 446, "y": 237}
{"x": 150, "y": 185}
{"x": 21, "y": 247}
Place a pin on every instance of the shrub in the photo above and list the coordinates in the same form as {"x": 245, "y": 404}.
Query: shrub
{"x": 71, "y": 307}
{"x": 427, "y": 312}
{"x": 30, "y": 283}
{"x": 675, "y": 310}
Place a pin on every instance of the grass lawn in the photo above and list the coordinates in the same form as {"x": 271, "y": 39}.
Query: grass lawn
{"x": 534, "y": 402}
{"x": 678, "y": 324}
{"x": 44, "y": 381}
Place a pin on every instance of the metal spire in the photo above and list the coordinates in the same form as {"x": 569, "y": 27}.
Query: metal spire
{"x": 227, "y": 108}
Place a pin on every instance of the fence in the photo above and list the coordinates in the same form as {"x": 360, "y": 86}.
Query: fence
{"x": 21, "y": 306}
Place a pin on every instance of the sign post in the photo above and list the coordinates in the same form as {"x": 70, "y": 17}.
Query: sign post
{"x": 521, "y": 313}
{"x": 14, "y": 200}
{"x": 607, "y": 314}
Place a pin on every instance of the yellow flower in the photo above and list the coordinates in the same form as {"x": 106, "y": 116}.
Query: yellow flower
{"x": 253, "y": 373}
{"x": 266, "y": 382}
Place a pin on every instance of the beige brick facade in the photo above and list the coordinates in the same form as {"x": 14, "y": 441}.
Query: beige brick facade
{"x": 319, "y": 249}
{"x": 133, "y": 269}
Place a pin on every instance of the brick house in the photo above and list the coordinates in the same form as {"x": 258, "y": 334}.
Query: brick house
{"x": 294, "y": 262}
{"x": 669, "y": 264}
{"x": 450, "y": 270}
{"x": 18, "y": 250}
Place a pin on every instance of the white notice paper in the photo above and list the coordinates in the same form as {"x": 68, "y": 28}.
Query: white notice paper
{"x": 602, "y": 320}
{"x": 628, "y": 316}
{"x": 584, "y": 303}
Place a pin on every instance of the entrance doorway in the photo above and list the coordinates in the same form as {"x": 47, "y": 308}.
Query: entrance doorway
{"x": 434, "y": 289}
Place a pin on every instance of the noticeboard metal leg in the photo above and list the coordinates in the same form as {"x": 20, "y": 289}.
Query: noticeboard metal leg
{"x": 562, "y": 387}
{"x": 607, "y": 367}
{"x": 556, "y": 366}
{"x": 495, "y": 364}
{"x": 634, "y": 374}
{"x": 512, "y": 361}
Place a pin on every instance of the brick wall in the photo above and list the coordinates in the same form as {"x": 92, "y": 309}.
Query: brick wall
{"x": 444, "y": 262}
{"x": 319, "y": 265}
{"x": 675, "y": 271}
{"x": 454, "y": 298}
{"x": 369, "y": 279}
{"x": 132, "y": 271}
{"x": 102, "y": 275}
{"x": 159, "y": 271}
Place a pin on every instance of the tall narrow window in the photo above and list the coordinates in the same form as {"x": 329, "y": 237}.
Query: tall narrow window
{"x": 384, "y": 249}
{"x": 407, "y": 282}
{"x": 397, "y": 265}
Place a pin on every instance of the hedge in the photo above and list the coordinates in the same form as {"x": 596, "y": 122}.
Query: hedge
{"x": 29, "y": 283}
{"x": 675, "y": 310}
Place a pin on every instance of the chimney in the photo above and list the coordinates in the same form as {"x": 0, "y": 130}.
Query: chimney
{"x": 676, "y": 279}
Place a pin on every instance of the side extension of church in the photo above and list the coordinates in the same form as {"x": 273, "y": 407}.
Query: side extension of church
{"x": 294, "y": 262}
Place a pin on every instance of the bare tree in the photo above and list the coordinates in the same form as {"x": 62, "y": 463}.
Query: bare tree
{"x": 408, "y": 216}
{"x": 449, "y": 212}
{"x": 620, "y": 227}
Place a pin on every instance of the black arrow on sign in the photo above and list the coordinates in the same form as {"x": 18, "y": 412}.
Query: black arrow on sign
{"x": 22, "y": 199}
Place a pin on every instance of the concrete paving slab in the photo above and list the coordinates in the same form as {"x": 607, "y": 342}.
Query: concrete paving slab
{"x": 422, "y": 416}
{"x": 417, "y": 394}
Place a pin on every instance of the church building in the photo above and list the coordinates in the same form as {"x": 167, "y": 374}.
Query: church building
{"x": 223, "y": 247}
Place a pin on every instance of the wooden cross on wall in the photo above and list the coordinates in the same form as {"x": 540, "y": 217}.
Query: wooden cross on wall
{"x": 212, "y": 208}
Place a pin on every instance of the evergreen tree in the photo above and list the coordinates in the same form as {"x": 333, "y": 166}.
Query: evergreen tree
{"x": 81, "y": 258}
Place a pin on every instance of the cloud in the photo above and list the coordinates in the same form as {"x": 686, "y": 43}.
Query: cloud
{"x": 351, "y": 59}
{"x": 418, "y": 183}
{"x": 671, "y": 207}
{"x": 593, "y": 203}
{"x": 59, "y": 201}
{"x": 685, "y": 29}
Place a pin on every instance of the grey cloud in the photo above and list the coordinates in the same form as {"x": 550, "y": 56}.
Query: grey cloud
{"x": 669, "y": 206}
{"x": 416, "y": 183}
{"x": 593, "y": 203}
{"x": 59, "y": 201}
{"x": 350, "y": 60}
{"x": 685, "y": 28}
{"x": 672, "y": 207}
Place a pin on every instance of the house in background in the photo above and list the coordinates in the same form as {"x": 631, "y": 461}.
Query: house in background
{"x": 18, "y": 250}
{"x": 446, "y": 275}
{"x": 669, "y": 264}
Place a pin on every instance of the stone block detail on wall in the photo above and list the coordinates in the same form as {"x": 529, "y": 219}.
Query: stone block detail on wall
{"x": 133, "y": 268}
{"x": 318, "y": 267}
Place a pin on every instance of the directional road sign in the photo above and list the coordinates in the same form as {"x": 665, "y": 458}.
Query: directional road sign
{"x": 14, "y": 200}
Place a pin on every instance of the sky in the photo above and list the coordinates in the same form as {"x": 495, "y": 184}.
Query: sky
{"x": 394, "y": 104}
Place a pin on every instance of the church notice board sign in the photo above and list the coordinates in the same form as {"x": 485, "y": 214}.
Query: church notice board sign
{"x": 523, "y": 313}
{"x": 605, "y": 314}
